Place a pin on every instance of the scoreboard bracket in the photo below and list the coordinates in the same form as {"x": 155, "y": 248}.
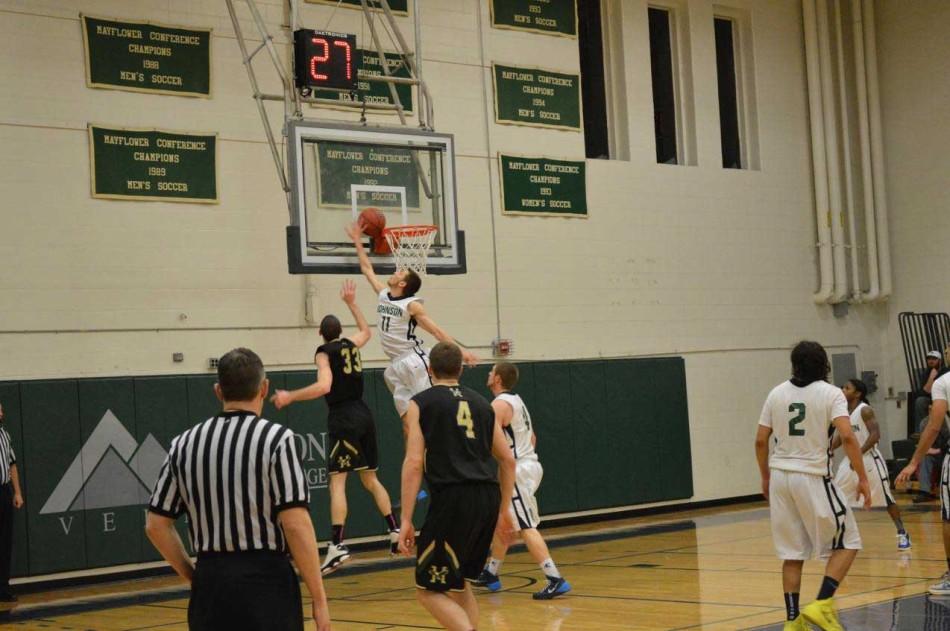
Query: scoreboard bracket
{"x": 326, "y": 60}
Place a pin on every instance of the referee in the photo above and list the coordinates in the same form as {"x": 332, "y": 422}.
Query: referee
{"x": 238, "y": 479}
{"x": 452, "y": 437}
{"x": 10, "y": 498}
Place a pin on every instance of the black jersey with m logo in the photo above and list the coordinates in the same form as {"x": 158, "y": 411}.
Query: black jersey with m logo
{"x": 347, "y": 368}
{"x": 457, "y": 425}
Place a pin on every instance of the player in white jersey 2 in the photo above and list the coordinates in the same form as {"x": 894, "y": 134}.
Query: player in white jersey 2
{"x": 940, "y": 393}
{"x": 512, "y": 414}
{"x": 866, "y": 430}
{"x": 809, "y": 515}
{"x": 400, "y": 311}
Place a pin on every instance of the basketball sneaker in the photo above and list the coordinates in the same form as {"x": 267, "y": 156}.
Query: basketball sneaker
{"x": 822, "y": 614}
{"x": 798, "y": 624}
{"x": 555, "y": 587}
{"x": 337, "y": 554}
{"x": 393, "y": 542}
{"x": 489, "y": 580}
{"x": 942, "y": 588}
{"x": 903, "y": 541}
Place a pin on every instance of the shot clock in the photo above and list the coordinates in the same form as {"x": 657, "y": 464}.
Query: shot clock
{"x": 323, "y": 59}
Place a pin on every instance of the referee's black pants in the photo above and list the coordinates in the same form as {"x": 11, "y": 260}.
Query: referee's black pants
{"x": 245, "y": 591}
{"x": 6, "y": 536}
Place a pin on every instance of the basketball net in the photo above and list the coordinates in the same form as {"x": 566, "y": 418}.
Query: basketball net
{"x": 410, "y": 246}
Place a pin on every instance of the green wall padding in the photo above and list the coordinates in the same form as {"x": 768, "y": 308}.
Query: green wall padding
{"x": 161, "y": 410}
{"x": 551, "y": 413}
{"x": 10, "y": 398}
{"x": 51, "y": 442}
{"x": 113, "y": 533}
{"x": 670, "y": 406}
{"x": 610, "y": 433}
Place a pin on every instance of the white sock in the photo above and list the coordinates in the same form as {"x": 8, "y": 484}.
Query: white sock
{"x": 494, "y": 565}
{"x": 550, "y": 569}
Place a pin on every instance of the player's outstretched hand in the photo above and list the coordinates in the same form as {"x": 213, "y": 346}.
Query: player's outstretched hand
{"x": 407, "y": 537}
{"x": 354, "y": 231}
{"x": 281, "y": 399}
{"x": 765, "y": 488}
{"x": 469, "y": 358}
{"x": 904, "y": 476}
{"x": 348, "y": 291}
{"x": 864, "y": 492}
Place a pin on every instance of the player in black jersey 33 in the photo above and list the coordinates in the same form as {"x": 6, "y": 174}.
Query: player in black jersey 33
{"x": 351, "y": 428}
{"x": 452, "y": 439}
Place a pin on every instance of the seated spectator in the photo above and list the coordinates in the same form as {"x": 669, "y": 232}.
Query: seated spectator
{"x": 935, "y": 368}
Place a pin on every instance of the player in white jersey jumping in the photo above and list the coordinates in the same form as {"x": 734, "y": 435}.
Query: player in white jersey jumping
{"x": 866, "y": 430}
{"x": 400, "y": 311}
{"x": 809, "y": 515}
{"x": 512, "y": 414}
{"x": 940, "y": 394}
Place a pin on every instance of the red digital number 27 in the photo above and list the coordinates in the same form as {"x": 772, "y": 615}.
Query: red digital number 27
{"x": 315, "y": 59}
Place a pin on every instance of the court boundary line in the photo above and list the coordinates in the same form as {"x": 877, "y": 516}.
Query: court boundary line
{"x": 161, "y": 595}
{"x": 153, "y": 569}
{"x": 114, "y": 601}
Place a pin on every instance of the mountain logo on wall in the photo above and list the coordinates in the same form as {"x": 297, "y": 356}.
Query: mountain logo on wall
{"x": 111, "y": 470}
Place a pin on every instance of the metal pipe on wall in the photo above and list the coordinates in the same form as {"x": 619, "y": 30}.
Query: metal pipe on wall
{"x": 819, "y": 170}
{"x": 870, "y": 223}
{"x": 831, "y": 153}
{"x": 877, "y": 149}
{"x": 846, "y": 153}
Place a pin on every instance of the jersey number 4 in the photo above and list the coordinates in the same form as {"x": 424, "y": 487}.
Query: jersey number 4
{"x": 464, "y": 418}
{"x": 351, "y": 360}
{"x": 793, "y": 423}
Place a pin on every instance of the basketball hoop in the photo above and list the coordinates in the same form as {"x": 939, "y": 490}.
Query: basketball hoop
{"x": 410, "y": 246}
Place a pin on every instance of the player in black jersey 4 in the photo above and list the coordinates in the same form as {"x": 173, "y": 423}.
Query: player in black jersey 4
{"x": 351, "y": 427}
{"x": 452, "y": 439}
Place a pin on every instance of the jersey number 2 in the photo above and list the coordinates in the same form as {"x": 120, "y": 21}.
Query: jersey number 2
{"x": 464, "y": 419}
{"x": 351, "y": 360}
{"x": 793, "y": 429}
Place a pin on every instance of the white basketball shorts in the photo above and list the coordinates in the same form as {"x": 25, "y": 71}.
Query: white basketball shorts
{"x": 809, "y": 517}
{"x": 945, "y": 488}
{"x": 879, "y": 481}
{"x": 524, "y": 506}
{"x": 406, "y": 377}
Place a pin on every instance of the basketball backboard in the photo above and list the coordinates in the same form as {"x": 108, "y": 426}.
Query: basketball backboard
{"x": 336, "y": 171}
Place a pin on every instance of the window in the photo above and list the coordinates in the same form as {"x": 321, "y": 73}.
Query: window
{"x": 664, "y": 100}
{"x": 728, "y": 97}
{"x": 736, "y": 82}
{"x": 593, "y": 95}
{"x": 672, "y": 83}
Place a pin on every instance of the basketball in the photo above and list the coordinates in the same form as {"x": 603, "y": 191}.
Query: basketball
{"x": 372, "y": 222}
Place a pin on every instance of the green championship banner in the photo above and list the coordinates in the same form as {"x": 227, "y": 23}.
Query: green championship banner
{"x": 399, "y": 7}
{"x": 343, "y": 164}
{"x": 374, "y": 91}
{"x": 551, "y": 17}
{"x": 543, "y": 186}
{"x": 147, "y": 57}
{"x": 153, "y": 165}
{"x": 536, "y": 97}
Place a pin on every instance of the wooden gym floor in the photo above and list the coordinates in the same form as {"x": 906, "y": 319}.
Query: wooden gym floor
{"x": 709, "y": 569}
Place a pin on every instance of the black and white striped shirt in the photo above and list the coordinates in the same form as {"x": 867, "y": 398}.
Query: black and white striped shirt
{"x": 232, "y": 475}
{"x": 7, "y": 457}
